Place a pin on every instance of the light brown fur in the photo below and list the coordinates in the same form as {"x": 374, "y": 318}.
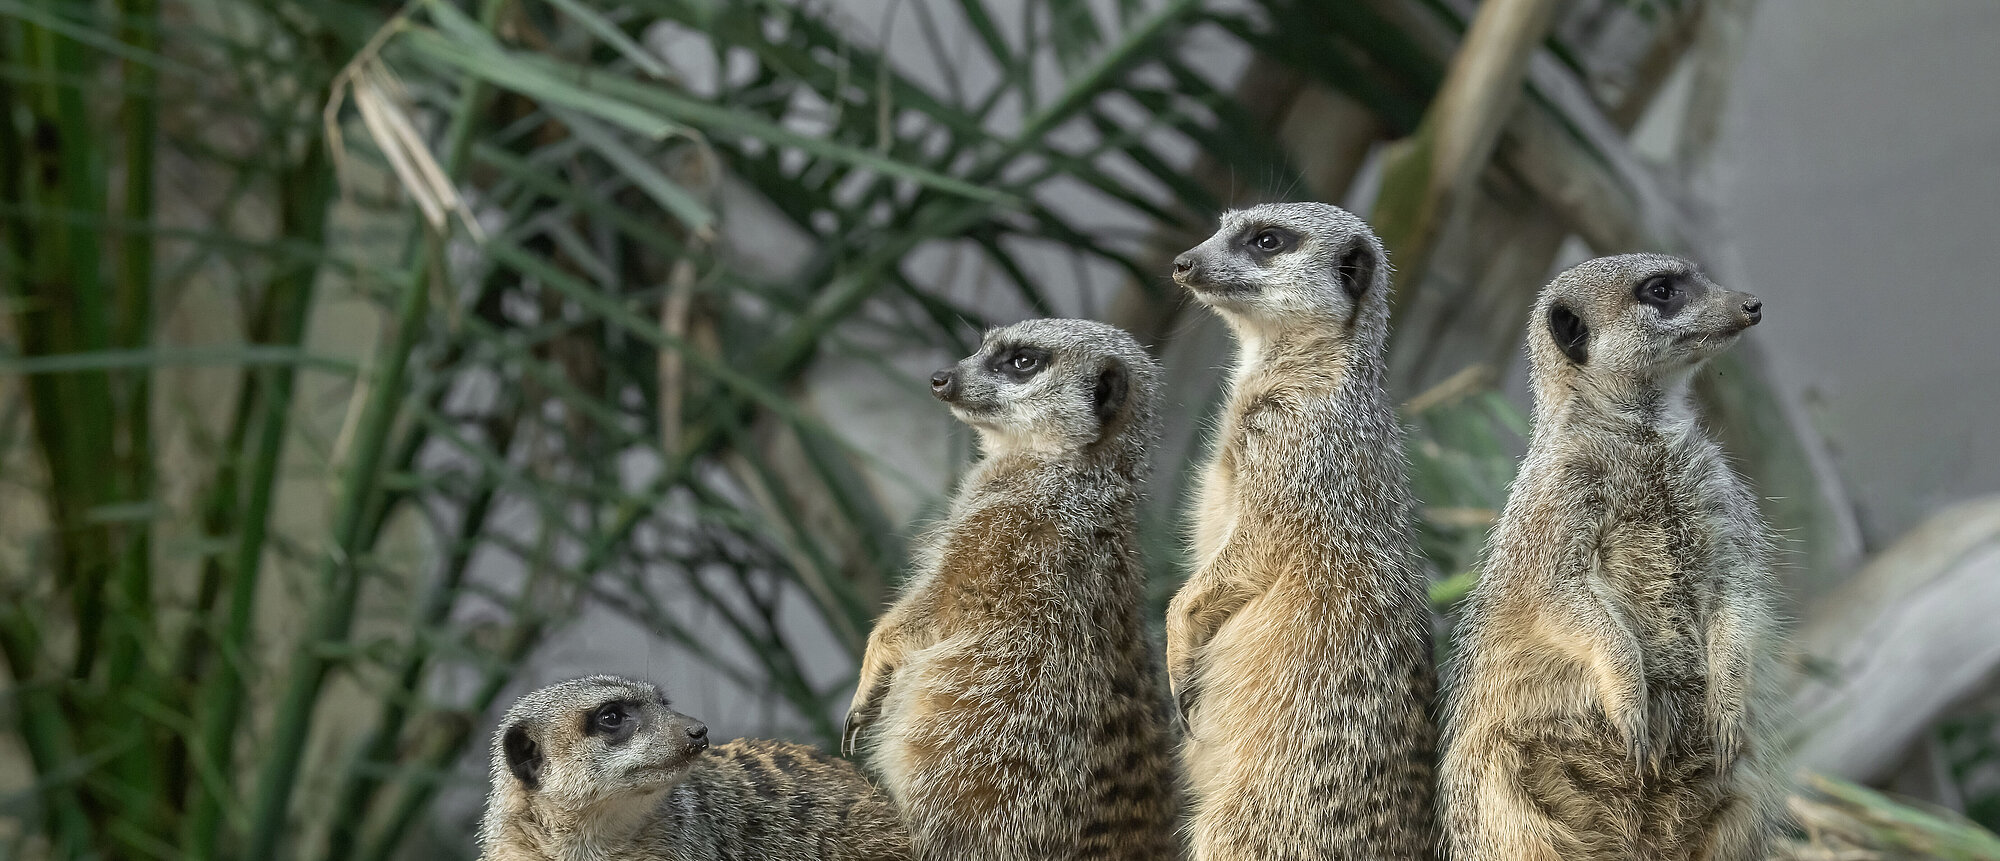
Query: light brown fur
{"x": 1300, "y": 649}
{"x": 654, "y": 791}
{"x": 1612, "y": 687}
{"x": 1009, "y": 699}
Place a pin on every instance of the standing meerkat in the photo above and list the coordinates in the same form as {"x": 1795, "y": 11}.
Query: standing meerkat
{"x": 602, "y": 769}
{"x": 1009, "y": 699}
{"x": 1300, "y": 649}
{"x": 1611, "y": 693}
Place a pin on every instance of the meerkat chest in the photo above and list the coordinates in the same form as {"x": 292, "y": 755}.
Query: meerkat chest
{"x": 1657, "y": 554}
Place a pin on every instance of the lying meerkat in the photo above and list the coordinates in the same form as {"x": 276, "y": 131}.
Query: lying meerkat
{"x": 602, "y": 769}
{"x": 1613, "y": 686}
{"x": 1009, "y": 698}
{"x": 1300, "y": 648}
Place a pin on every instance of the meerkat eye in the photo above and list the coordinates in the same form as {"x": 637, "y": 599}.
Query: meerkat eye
{"x": 1019, "y": 363}
{"x": 1659, "y": 290}
{"x": 609, "y": 718}
{"x": 1273, "y": 240}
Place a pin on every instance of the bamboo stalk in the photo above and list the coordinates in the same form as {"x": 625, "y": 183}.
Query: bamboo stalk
{"x": 339, "y": 581}
{"x": 139, "y": 769}
{"x": 66, "y": 306}
{"x": 359, "y": 514}
{"x": 375, "y": 756}
{"x": 263, "y": 418}
{"x": 45, "y": 731}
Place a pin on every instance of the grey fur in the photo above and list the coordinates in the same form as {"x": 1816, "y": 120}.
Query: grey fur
{"x": 1612, "y": 692}
{"x": 663, "y": 795}
{"x": 1009, "y": 699}
{"x": 1300, "y": 648}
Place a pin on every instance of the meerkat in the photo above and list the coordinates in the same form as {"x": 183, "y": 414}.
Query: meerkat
{"x": 1611, "y": 692}
{"x": 603, "y": 769}
{"x": 1299, "y": 650}
{"x": 1009, "y": 698}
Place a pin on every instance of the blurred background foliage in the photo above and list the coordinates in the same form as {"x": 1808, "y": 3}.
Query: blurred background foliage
{"x": 353, "y": 351}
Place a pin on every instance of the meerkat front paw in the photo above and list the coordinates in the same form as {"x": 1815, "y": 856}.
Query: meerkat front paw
{"x": 1728, "y": 711}
{"x": 1180, "y": 640}
{"x": 867, "y": 705}
{"x": 1180, "y": 680}
{"x": 850, "y": 731}
{"x": 1730, "y": 727}
{"x": 1632, "y": 729}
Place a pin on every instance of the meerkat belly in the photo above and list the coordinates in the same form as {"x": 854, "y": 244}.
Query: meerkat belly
{"x": 1297, "y": 700}
{"x": 1576, "y": 766}
{"x": 1580, "y": 775}
{"x": 966, "y": 732}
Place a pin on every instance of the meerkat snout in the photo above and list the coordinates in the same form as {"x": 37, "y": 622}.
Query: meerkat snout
{"x": 1753, "y": 310}
{"x": 944, "y": 385}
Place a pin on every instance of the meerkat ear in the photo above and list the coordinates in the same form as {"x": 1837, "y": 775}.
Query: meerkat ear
{"x": 1355, "y": 270}
{"x": 1570, "y": 333}
{"x": 1110, "y": 394}
{"x": 524, "y": 756}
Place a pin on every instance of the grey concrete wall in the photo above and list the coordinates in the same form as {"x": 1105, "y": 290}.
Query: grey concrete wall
{"x": 1860, "y": 170}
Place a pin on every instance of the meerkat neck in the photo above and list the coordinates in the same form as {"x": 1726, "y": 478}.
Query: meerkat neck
{"x": 1005, "y": 443}
{"x": 1664, "y": 406}
{"x": 1260, "y": 352}
{"x": 601, "y": 830}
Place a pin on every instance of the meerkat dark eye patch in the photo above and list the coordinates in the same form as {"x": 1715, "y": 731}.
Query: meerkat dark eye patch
{"x": 523, "y": 755}
{"x": 1018, "y": 363}
{"x": 615, "y": 720}
{"x": 1109, "y": 396}
{"x": 1665, "y": 293}
{"x": 1267, "y": 242}
{"x": 1570, "y": 333}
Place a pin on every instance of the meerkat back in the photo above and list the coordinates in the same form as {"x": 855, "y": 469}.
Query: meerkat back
{"x": 1612, "y": 690}
{"x": 1299, "y": 650}
{"x": 602, "y": 768}
{"x": 1009, "y": 699}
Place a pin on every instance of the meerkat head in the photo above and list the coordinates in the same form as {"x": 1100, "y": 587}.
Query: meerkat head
{"x": 1056, "y": 386}
{"x": 1288, "y": 266}
{"x": 1644, "y": 320}
{"x": 593, "y": 747}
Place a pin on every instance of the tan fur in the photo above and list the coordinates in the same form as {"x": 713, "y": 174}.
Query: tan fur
{"x": 1300, "y": 647}
{"x": 658, "y": 793}
{"x": 1611, "y": 694}
{"x": 1009, "y": 698}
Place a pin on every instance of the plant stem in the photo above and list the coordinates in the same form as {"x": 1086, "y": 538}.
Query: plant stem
{"x": 377, "y": 753}
{"x": 339, "y": 575}
{"x": 264, "y": 412}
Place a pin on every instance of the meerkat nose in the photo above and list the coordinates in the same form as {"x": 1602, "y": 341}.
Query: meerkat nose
{"x": 697, "y": 730}
{"x": 1184, "y": 264}
{"x": 944, "y": 384}
{"x": 1753, "y": 308}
